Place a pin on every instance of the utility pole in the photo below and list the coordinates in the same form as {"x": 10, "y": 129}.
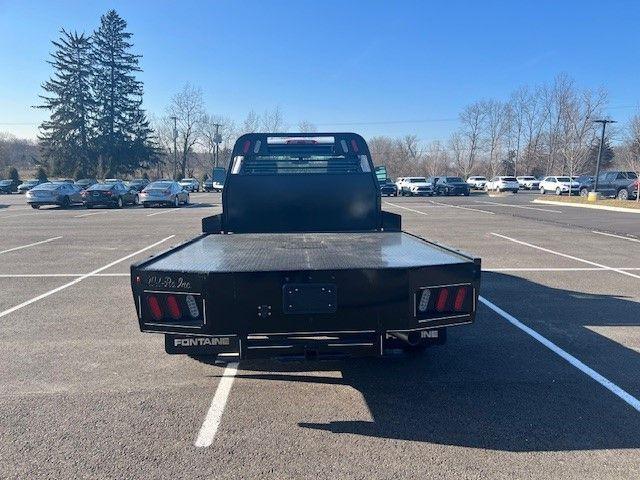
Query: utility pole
{"x": 175, "y": 146}
{"x": 217, "y": 139}
{"x": 604, "y": 122}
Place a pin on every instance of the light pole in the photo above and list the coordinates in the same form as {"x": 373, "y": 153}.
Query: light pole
{"x": 216, "y": 140}
{"x": 175, "y": 145}
{"x": 604, "y": 122}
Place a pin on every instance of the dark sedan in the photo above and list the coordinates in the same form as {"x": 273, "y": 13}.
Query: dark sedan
{"x": 389, "y": 189}
{"x": 85, "y": 183}
{"x": 9, "y": 186}
{"x": 109, "y": 195}
{"x": 451, "y": 186}
{"x": 137, "y": 184}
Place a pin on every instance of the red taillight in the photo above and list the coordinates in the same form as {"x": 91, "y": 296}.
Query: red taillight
{"x": 441, "y": 302}
{"x": 154, "y": 307}
{"x": 245, "y": 146}
{"x": 461, "y": 296}
{"x": 173, "y": 307}
{"x": 354, "y": 145}
{"x": 108, "y": 193}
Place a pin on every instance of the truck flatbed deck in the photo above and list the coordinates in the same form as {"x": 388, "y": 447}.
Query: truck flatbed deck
{"x": 303, "y": 261}
{"x": 266, "y": 252}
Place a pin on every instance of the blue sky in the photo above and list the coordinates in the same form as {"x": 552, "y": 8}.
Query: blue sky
{"x": 387, "y": 67}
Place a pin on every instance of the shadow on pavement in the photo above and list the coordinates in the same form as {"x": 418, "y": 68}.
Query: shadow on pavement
{"x": 492, "y": 386}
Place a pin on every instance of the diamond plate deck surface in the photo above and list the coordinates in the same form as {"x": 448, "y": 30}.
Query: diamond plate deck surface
{"x": 303, "y": 251}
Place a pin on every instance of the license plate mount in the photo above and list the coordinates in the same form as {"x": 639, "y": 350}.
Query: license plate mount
{"x": 305, "y": 298}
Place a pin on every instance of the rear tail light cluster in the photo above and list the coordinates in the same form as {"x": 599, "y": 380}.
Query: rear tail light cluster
{"x": 170, "y": 307}
{"x": 443, "y": 301}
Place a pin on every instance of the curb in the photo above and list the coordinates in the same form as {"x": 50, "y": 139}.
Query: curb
{"x": 582, "y": 205}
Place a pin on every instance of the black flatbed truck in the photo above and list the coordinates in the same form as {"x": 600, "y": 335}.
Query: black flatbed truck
{"x": 303, "y": 261}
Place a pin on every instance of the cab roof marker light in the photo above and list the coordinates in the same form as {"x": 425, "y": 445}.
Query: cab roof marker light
{"x": 245, "y": 146}
{"x": 354, "y": 145}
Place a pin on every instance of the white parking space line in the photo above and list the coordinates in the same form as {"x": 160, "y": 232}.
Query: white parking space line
{"x": 164, "y": 211}
{"x": 61, "y": 275}
{"x": 560, "y": 269}
{"x": 616, "y": 236}
{"x": 81, "y": 278}
{"x": 517, "y": 206}
{"x": 605, "y": 382}
{"x": 405, "y": 208}
{"x": 560, "y": 254}
{"x": 89, "y": 214}
{"x": 214, "y": 415}
{"x": 462, "y": 208}
{"x": 30, "y": 245}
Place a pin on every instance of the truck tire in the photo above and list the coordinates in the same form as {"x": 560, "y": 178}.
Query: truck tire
{"x": 622, "y": 194}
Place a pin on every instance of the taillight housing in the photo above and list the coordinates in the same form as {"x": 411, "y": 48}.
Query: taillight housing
{"x": 432, "y": 303}
{"x": 172, "y": 308}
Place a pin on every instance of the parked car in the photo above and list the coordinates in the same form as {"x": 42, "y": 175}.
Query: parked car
{"x": 190, "y": 184}
{"x": 109, "y": 195}
{"x": 9, "y": 186}
{"x": 451, "y": 186}
{"x": 137, "y": 184}
{"x": 414, "y": 186}
{"x": 164, "y": 193}
{"x": 528, "y": 182}
{"x": 617, "y": 183}
{"x": 477, "y": 182}
{"x": 559, "y": 185}
{"x": 27, "y": 185}
{"x": 63, "y": 194}
{"x": 207, "y": 185}
{"x": 85, "y": 183}
{"x": 502, "y": 184}
{"x": 388, "y": 188}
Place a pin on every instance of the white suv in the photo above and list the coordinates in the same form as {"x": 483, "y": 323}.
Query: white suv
{"x": 414, "y": 186}
{"x": 559, "y": 185}
{"x": 477, "y": 182}
{"x": 528, "y": 182}
{"x": 502, "y": 184}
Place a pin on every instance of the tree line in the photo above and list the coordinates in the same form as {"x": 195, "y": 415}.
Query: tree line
{"x": 96, "y": 125}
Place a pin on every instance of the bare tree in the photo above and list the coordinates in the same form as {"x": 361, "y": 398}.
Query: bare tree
{"x": 251, "y": 123}
{"x": 188, "y": 106}
{"x": 226, "y": 130}
{"x": 472, "y": 121}
{"x": 305, "y": 126}
{"x": 495, "y": 130}
{"x": 273, "y": 121}
{"x": 436, "y": 159}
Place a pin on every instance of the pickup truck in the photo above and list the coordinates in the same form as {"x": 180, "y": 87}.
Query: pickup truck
{"x": 619, "y": 184}
{"x": 303, "y": 262}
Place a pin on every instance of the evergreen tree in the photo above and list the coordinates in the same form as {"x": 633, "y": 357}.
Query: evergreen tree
{"x": 123, "y": 136}
{"x": 41, "y": 174}
{"x": 65, "y": 138}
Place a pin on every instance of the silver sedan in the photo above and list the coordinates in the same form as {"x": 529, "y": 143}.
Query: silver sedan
{"x": 54, "y": 193}
{"x": 163, "y": 193}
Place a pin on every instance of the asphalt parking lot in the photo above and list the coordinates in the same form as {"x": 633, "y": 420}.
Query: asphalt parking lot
{"x": 545, "y": 384}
